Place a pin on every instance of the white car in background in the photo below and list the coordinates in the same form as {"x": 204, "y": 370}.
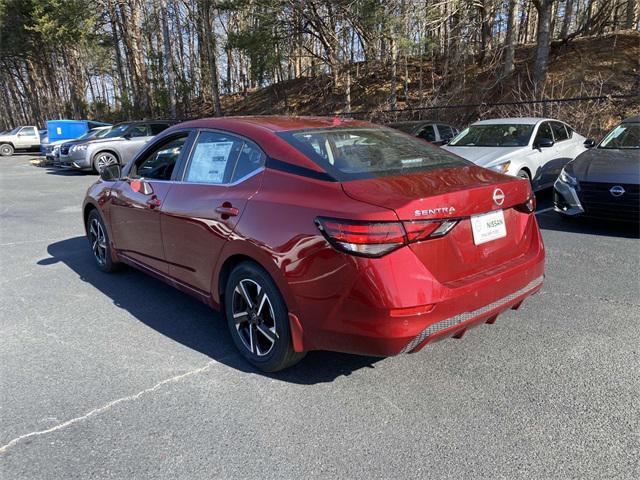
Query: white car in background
{"x": 532, "y": 148}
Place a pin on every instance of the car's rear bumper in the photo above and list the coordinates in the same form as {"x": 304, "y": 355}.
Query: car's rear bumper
{"x": 379, "y": 318}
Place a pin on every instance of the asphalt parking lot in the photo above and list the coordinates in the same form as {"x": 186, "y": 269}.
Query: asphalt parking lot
{"x": 120, "y": 376}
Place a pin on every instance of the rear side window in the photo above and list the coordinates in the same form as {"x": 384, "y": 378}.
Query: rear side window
{"x": 156, "y": 128}
{"x": 250, "y": 159}
{"x": 213, "y": 159}
{"x": 159, "y": 163}
{"x": 356, "y": 153}
{"x": 559, "y": 131}
{"x": 427, "y": 133}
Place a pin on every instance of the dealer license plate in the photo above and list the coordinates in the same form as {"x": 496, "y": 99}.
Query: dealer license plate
{"x": 488, "y": 226}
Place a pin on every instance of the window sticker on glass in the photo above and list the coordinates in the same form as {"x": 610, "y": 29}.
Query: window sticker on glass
{"x": 209, "y": 162}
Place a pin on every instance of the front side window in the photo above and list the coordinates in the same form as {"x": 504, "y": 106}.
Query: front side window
{"x": 559, "y": 131}
{"x": 139, "y": 131}
{"x": 494, "y": 135}
{"x": 544, "y": 132}
{"x": 356, "y": 153}
{"x": 626, "y": 135}
{"x": 446, "y": 132}
{"x": 28, "y": 131}
{"x": 213, "y": 159}
{"x": 427, "y": 133}
{"x": 160, "y": 163}
{"x": 118, "y": 130}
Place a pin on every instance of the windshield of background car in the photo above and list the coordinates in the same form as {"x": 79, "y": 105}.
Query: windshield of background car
{"x": 89, "y": 134}
{"x": 358, "y": 153}
{"x": 626, "y": 135}
{"x": 508, "y": 135}
{"x": 14, "y": 131}
{"x": 118, "y": 130}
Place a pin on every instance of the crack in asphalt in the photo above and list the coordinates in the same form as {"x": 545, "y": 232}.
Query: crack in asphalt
{"x": 106, "y": 407}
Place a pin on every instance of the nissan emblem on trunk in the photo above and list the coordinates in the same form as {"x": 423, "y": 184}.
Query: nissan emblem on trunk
{"x": 617, "y": 191}
{"x": 498, "y": 196}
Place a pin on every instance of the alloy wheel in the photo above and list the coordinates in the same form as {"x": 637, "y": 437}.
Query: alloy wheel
{"x": 254, "y": 318}
{"x": 98, "y": 241}
{"x": 105, "y": 160}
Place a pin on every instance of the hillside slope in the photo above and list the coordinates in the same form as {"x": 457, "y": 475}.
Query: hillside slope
{"x": 608, "y": 65}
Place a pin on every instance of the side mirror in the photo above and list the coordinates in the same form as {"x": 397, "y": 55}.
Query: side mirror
{"x": 544, "y": 143}
{"x": 588, "y": 143}
{"x": 110, "y": 173}
{"x": 127, "y": 136}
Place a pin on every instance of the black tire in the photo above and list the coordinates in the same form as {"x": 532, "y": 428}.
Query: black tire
{"x": 6, "y": 150}
{"x": 99, "y": 243}
{"x": 262, "y": 334}
{"x": 104, "y": 159}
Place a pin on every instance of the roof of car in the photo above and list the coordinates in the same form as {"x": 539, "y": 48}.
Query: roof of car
{"x": 413, "y": 122}
{"x": 520, "y": 121}
{"x": 276, "y": 123}
{"x": 136, "y": 122}
{"x": 635, "y": 119}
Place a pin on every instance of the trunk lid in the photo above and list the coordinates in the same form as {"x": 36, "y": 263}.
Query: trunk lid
{"x": 445, "y": 193}
{"x": 455, "y": 193}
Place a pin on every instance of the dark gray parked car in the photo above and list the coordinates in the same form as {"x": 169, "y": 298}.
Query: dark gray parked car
{"x": 437, "y": 133}
{"x": 604, "y": 181}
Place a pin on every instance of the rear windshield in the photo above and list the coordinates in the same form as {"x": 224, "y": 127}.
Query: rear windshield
{"x": 357, "y": 153}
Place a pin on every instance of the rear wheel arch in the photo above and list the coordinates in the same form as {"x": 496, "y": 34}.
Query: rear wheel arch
{"x": 235, "y": 258}
{"x": 527, "y": 171}
{"x": 100, "y": 152}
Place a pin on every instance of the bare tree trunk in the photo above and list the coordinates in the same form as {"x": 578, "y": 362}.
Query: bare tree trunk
{"x": 631, "y": 14}
{"x": 510, "y": 40}
{"x": 168, "y": 59}
{"x": 568, "y": 17}
{"x": 210, "y": 49}
{"x": 543, "y": 39}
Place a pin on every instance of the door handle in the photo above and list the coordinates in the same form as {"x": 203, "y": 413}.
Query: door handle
{"x": 153, "y": 202}
{"x": 226, "y": 210}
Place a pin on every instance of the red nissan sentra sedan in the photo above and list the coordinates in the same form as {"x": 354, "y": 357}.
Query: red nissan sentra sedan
{"x": 320, "y": 233}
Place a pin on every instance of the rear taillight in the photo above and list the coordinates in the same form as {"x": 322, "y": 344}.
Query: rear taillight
{"x": 375, "y": 239}
{"x": 529, "y": 206}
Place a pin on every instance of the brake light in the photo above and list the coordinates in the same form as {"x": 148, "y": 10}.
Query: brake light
{"x": 529, "y": 206}
{"x": 417, "y": 231}
{"x": 370, "y": 239}
{"x": 375, "y": 239}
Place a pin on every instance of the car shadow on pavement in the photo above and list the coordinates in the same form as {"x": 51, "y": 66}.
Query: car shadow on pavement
{"x": 553, "y": 221}
{"x": 186, "y": 320}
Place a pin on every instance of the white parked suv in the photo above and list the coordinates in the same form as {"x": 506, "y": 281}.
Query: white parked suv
{"x": 20, "y": 138}
{"x": 531, "y": 148}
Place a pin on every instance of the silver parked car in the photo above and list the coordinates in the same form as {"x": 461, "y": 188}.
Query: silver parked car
{"x": 118, "y": 146}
